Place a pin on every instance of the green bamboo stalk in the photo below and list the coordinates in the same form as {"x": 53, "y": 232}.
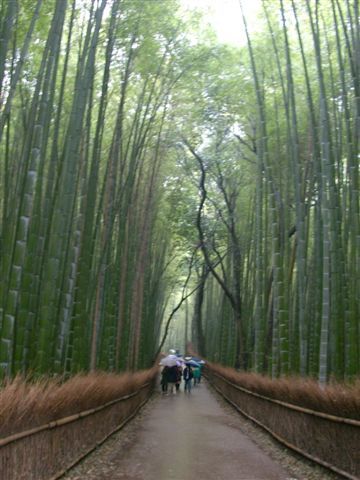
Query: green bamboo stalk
{"x": 325, "y": 205}
{"x": 263, "y": 153}
{"x": 57, "y": 262}
{"x": 300, "y": 213}
{"x": 13, "y": 331}
{"x": 87, "y": 255}
{"x": 350, "y": 28}
{"x": 7, "y": 14}
{"x": 18, "y": 69}
{"x": 314, "y": 154}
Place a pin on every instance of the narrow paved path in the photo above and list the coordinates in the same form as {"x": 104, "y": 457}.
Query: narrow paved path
{"x": 183, "y": 437}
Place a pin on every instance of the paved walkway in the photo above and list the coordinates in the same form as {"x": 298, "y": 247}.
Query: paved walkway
{"x": 185, "y": 437}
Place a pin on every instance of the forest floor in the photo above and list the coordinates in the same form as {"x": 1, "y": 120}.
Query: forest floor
{"x": 193, "y": 436}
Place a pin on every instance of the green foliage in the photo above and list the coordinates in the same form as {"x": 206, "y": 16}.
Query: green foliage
{"x": 103, "y": 119}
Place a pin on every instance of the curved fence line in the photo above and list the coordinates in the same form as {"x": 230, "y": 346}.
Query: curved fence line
{"x": 65, "y": 420}
{"x": 48, "y": 451}
{"x": 292, "y": 406}
{"x": 328, "y": 440}
{"x": 62, "y": 472}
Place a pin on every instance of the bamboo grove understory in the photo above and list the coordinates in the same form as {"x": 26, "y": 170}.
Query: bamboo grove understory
{"x": 140, "y": 158}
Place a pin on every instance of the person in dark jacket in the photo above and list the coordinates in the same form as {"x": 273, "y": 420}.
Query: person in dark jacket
{"x": 172, "y": 376}
{"x": 178, "y": 381}
{"x": 187, "y": 375}
{"x": 164, "y": 380}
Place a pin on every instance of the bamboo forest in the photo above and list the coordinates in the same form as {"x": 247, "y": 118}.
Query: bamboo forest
{"x": 179, "y": 237}
{"x": 156, "y": 181}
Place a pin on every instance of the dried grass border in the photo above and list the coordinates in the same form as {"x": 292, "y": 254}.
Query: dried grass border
{"x": 50, "y": 425}
{"x": 277, "y": 406}
{"x": 27, "y": 404}
{"x": 338, "y": 399}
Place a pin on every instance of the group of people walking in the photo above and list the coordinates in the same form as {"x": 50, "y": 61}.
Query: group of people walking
{"x": 171, "y": 378}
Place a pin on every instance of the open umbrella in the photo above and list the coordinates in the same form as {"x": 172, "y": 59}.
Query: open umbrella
{"x": 169, "y": 361}
{"x": 192, "y": 363}
{"x": 198, "y": 360}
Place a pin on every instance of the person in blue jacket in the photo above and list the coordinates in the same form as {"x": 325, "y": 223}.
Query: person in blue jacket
{"x": 187, "y": 376}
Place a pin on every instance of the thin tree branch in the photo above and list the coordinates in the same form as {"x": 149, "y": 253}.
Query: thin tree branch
{"x": 204, "y": 250}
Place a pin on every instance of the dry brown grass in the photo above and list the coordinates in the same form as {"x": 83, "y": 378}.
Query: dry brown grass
{"x": 338, "y": 399}
{"x": 25, "y": 404}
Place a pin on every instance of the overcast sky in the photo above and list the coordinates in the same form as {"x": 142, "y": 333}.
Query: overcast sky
{"x": 225, "y": 17}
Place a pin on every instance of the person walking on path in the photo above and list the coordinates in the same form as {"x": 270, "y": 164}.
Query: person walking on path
{"x": 179, "y": 375}
{"x": 197, "y": 374}
{"x": 172, "y": 377}
{"x": 164, "y": 379}
{"x": 188, "y": 376}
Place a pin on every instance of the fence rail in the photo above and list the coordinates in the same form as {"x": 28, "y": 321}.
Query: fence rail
{"x": 328, "y": 440}
{"x": 48, "y": 451}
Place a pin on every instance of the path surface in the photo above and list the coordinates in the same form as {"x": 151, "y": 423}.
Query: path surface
{"x": 183, "y": 437}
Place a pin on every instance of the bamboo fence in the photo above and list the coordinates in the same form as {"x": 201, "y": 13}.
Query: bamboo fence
{"x": 48, "y": 451}
{"x": 328, "y": 440}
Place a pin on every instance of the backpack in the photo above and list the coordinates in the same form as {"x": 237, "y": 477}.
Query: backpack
{"x": 188, "y": 373}
{"x": 172, "y": 374}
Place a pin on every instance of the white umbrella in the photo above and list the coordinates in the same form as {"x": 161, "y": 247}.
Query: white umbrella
{"x": 169, "y": 361}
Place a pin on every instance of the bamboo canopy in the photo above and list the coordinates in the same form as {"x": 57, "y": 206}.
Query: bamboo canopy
{"x": 145, "y": 166}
